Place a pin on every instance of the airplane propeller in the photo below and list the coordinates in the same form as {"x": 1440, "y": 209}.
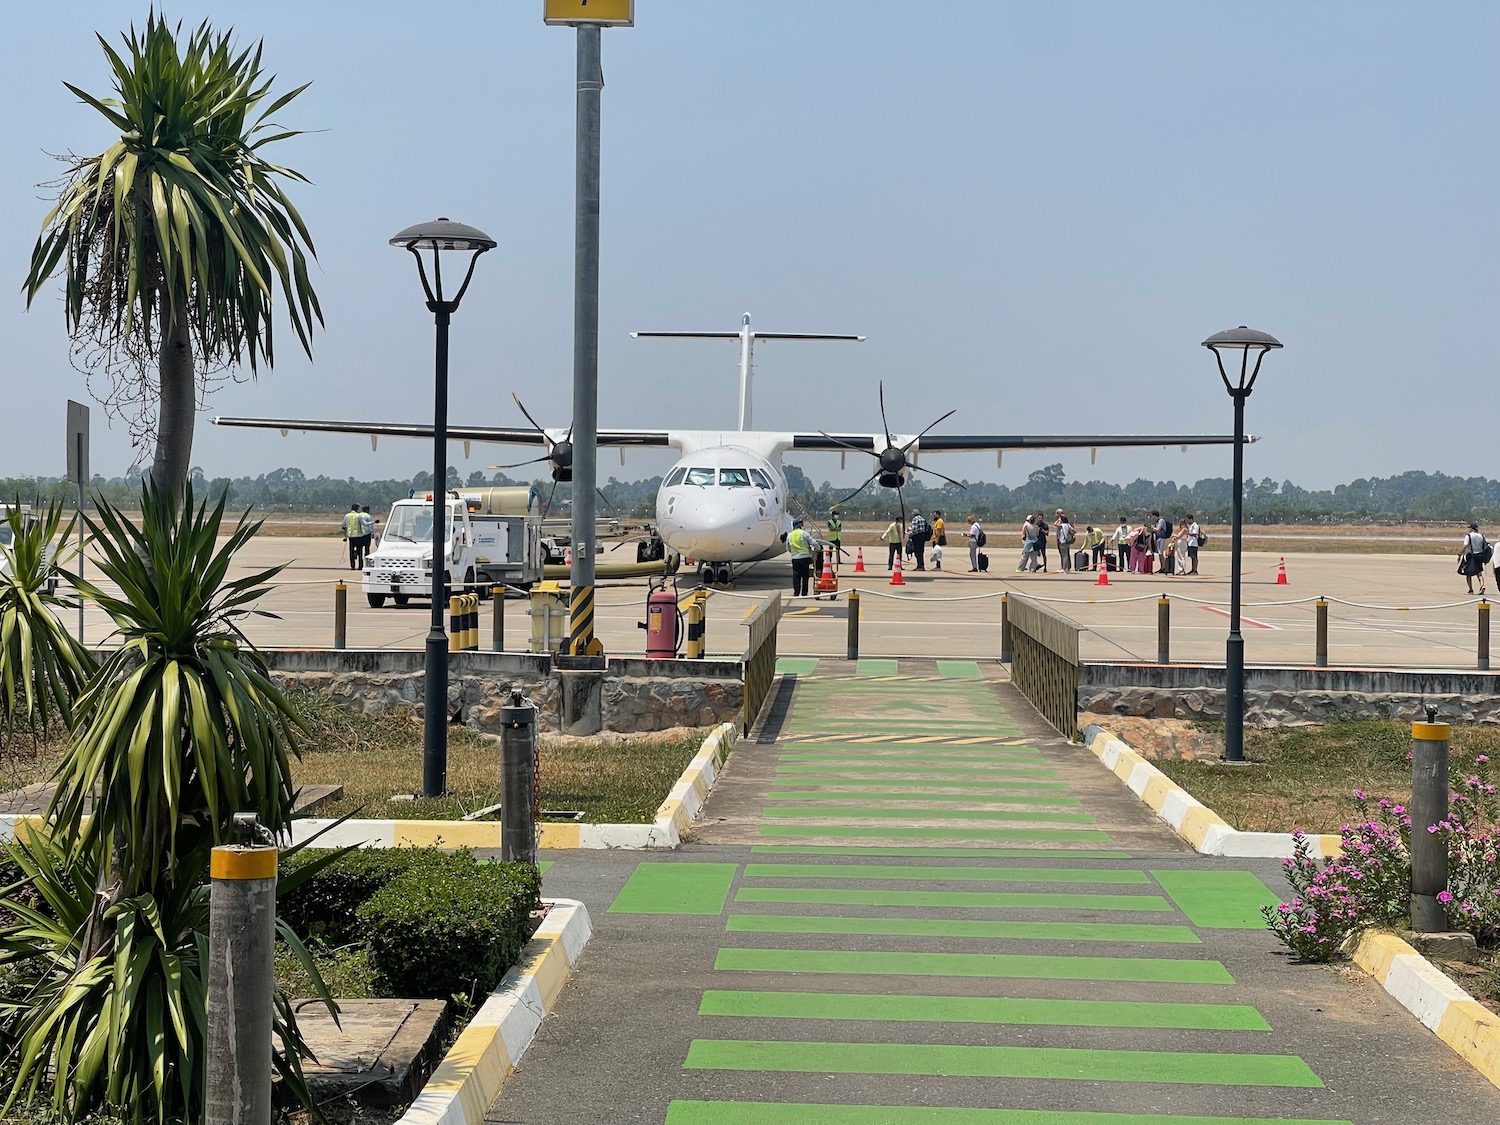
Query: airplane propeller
{"x": 559, "y": 453}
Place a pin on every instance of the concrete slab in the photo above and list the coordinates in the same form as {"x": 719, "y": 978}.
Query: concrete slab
{"x": 380, "y": 1052}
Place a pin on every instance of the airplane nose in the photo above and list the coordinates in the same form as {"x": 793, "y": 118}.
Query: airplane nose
{"x": 718, "y": 529}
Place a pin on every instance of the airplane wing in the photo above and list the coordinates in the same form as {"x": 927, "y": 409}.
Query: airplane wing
{"x": 999, "y": 443}
{"x": 508, "y": 435}
{"x": 759, "y": 335}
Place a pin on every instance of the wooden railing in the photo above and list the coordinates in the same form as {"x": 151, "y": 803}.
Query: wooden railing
{"x": 758, "y": 665}
{"x": 1044, "y": 662}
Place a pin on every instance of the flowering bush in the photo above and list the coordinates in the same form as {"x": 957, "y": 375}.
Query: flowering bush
{"x": 1370, "y": 882}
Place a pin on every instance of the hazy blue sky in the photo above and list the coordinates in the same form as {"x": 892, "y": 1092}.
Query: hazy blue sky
{"x": 1035, "y": 211}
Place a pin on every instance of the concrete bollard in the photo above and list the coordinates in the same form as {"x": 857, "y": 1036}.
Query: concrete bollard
{"x": 1005, "y": 628}
{"x": 518, "y": 780}
{"x": 340, "y": 616}
{"x": 1429, "y": 805}
{"x": 1484, "y": 635}
{"x": 455, "y": 624}
{"x": 1320, "y": 650}
{"x": 693, "y": 649}
{"x": 853, "y": 646}
{"x": 497, "y": 619}
{"x": 241, "y": 985}
{"x": 1164, "y": 630}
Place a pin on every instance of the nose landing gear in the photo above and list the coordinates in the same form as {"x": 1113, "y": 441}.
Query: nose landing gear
{"x": 710, "y": 574}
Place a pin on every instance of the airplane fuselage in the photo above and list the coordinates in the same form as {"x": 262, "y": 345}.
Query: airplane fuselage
{"x": 725, "y": 500}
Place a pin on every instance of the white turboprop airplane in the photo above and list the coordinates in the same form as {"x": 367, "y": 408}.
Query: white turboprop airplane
{"x": 726, "y": 500}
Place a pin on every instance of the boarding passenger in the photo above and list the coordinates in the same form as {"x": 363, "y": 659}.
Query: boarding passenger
{"x": 1472, "y": 556}
{"x": 1029, "y": 533}
{"x": 893, "y": 536}
{"x": 976, "y": 540}
{"x": 1194, "y": 540}
{"x": 1066, "y": 537}
{"x": 800, "y": 544}
{"x": 1041, "y": 542}
{"x": 939, "y": 530}
{"x": 919, "y": 532}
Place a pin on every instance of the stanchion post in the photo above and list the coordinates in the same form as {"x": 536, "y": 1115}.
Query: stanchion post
{"x": 694, "y": 648}
{"x": 518, "y": 780}
{"x": 1484, "y": 635}
{"x": 1164, "y": 630}
{"x": 1005, "y": 628}
{"x": 497, "y": 618}
{"x": 241, "y": 985}
{"x": 853, "y": 650}
{"x": 1320, "y": 653}
{"x": 455, "y": 638}
{"x": 340, "y": 615}
{"x": 1429, "y": 806}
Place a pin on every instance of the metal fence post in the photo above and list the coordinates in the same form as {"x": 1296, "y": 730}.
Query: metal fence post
{"x": 1005, "y": 640}
{"x": 1484, "y": 635}
{"x": 1320, "y": 652}
{"x": 340, "y": 615}
{"x": 1164, "y": 630}
{"x": 853, "y": 650}
{"x": 1429, "y": 805}
{"x": 518, "y": 780}
{"x": 241, "y": 985}
{"x": 497, "y": 618}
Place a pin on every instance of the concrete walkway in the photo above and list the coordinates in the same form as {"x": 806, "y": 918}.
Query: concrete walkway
{"x": 917, "y": 905}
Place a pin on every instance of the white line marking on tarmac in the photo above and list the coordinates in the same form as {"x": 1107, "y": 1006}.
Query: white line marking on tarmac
{"x": 1243, "y": 619}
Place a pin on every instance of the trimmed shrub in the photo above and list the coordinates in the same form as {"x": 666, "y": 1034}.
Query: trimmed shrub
{"x": 325, "y": 906}
{"x": 444, "y": 932}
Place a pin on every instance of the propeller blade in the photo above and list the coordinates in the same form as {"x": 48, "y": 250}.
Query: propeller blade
{"x": 547, "y": 507}
{"x": 884, "y": 424}
{"x": 924, "y": 433}
{"x": 520, "y": 464}
{"x": 846, "y": 445}
{"x": 934, "y": 472}
{"x": 533, "y": 421}
{"x": 901, "y": 498}
{"x": 858, "y": 490}
{"x": 607, "y": 504}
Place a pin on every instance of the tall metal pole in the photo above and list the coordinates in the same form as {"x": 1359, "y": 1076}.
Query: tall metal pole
{"x": 585, "y": 340}
{"x": 78, "y": 444}
{"x": 435, "y": 700}
{"x": 1234, "y": 647}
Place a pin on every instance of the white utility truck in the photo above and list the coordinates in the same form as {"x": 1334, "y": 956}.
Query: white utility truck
{"x": 493, "y": 538}
{"x": 6, "y": 537}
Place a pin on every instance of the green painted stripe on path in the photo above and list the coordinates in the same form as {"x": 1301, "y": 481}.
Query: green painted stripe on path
{"x": 960, "y": 927}
{"x": 986, "y": 900}
{"x": 801, "y": 1113}
{"x": 948, "y": 874}
{"x": 909, "y": 800}
{"x": 795, "y": 665}
{"x": 862, "y": 812}
{"x": 999, "y": 785}
{"x": 876, "y": 668}
{"x": 1203, "y": 1068}
{"x": 897, "y": 832}
{"x": 980, "y": 1009}
{"x": 1218, "y": 900}
{"x": 959, "y": 669}
{"x": 675, "y": 888}
{"x": 936, "y": 853}
{"x": 847, "y": 962}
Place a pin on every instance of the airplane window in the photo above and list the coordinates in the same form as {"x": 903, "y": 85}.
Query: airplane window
{"x": 734, "y": 478}
{"x": 676, "y": 477}
{"x": 760, "y": 478}
{"x": 700, "y": 476}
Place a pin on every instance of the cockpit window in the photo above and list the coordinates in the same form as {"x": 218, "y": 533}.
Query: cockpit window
{"x": 760, "y": 478}
{"x": 676, "y": 477}
{"x": 734, "y": 478}
{"x": 700, "y": 476}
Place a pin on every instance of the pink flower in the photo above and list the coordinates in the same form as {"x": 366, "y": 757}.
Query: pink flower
{"x": 1445, "y": 897}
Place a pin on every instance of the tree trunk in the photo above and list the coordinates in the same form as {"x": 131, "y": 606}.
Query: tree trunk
{"x": 178, "y": 406}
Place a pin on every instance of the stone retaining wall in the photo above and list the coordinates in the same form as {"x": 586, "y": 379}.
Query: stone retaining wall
{"x": 638, "y": 695}
{"x": 1287, "y": 696}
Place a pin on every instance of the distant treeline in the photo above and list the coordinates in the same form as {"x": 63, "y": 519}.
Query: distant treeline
{"x": 1412, "y": 496}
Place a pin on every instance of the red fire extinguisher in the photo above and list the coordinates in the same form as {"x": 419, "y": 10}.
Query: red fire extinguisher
{"x": 663, "y": 622}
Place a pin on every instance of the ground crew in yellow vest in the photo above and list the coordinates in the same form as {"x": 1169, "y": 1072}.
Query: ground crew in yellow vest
{"x": 353, "y": 533}
{"x": 836, "y": 533}
{"x": 799, "y": 543}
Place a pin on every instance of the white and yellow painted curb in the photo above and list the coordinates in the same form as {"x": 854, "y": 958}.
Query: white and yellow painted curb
{"x": 1205, "y": 830}
{"x": 677, "y": 812}
{"x": 474, "y": 1071}
{"x": 1426, "y": 992}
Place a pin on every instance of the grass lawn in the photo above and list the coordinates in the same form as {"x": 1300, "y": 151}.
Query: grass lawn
{"x": 374, "y": 757}
{"x": 1305, "y": 777}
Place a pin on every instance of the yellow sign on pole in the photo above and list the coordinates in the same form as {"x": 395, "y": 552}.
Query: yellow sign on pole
{"x": 602, "y": 13}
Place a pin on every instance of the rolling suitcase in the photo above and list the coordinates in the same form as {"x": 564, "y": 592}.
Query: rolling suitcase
{"x": 1081, "y": 560}
{"x": 984, "y": 561}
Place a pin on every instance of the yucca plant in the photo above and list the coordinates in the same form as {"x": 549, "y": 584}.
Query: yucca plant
{"x": 179, "y": 728}
{"x": 172, "y": 239}
{"x": 42, "y": 666}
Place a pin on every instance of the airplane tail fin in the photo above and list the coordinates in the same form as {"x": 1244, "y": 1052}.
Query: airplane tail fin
{"x": 747, "y": 337}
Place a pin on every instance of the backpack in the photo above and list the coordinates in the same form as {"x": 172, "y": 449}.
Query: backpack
{"x": 1167, "y": 534}
{"x": 1202, "y": 537}
{"x": 982, "y": 538}
{"x": 1071, "y": 536}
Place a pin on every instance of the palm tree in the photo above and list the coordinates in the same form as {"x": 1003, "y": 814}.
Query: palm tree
{"x": 172, "y": 240}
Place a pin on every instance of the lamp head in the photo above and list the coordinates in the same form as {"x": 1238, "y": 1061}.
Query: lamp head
{"x": 443, "y": 234}
{"x": 1244, "y": 341}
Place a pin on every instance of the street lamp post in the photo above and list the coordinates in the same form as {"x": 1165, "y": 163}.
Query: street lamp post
{"x": 1244, "y": 341}
{"x": 438, "y": 236}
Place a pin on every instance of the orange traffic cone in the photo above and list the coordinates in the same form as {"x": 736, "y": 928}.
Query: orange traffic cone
{"x": 1103, "y": 579}
{"x": 896, "y": 579}
{"x": 859, "y": 560}
{"x": 827, "y": 583}
{"x": 1281, "y": 572}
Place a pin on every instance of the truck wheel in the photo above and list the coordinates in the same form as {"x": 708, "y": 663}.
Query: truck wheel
{"x": 402, "y": 599}
{"x": 375, "y": 600}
